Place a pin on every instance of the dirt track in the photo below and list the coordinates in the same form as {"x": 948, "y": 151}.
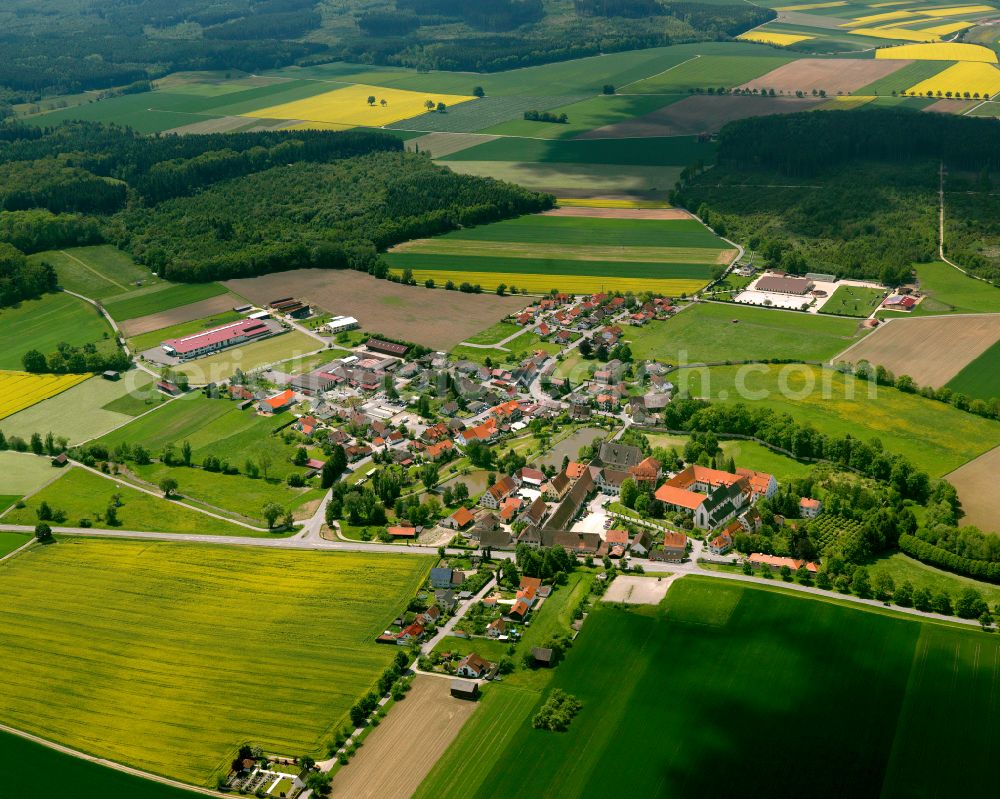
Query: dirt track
{"x": 701, "y": 113}
{"x": 434, "y": 317}
{"x": 977, "y": 489}
{"x": 397, "y": 755}
{"x": 830, "y": 75}
{"x": 186, "y": 313}
{"x": 930, "y": 349}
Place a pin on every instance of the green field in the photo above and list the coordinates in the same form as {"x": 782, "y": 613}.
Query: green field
{"x": 749, "y": 673}
{"x": 89, "y": 409}
{"x": 83, "y": 495}
{"x": 10, "y": 541}
{"x": 949, "y": 291}
{"x": 222, "y": 365}
{"x": 160, "y": 298}
{"x": 483, "y": 113}
{"x": 146, "y": 341}
{"x": 672, "y": 151}
{"x": 494, "y": 333}
{"x": 21, "y": 473}
{"x": 980, "y": 379}
{"x": 713, "y": 332}
{"x": 904, "y": 77}
{"x": 89, "y": 780}
{"x": 44, "y": 323}
{"x": 97, "y": 272}
{"x": 557, "y": 267}
{"x": 586, "y": 115}
{"x": 935, "y": 437}
{"x": 714, "y": 71}
{"x": 853, "y": 301}
{"x": 200, "y": 650}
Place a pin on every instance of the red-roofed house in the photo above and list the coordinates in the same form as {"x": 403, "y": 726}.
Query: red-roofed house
{"x": 758, "y": 559}
{"x": 306, "y": 425}
{"x": 809, "y": 508}
{"x": 277, "y": 403}
{"x": 460, "y": 519}
{"x": 410, "y": 635}
{"x": 436, "y": 451}
{"x": 495, "y": 495}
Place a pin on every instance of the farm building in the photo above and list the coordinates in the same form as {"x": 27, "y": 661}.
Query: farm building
{"x": 219, "y": 338}
{"x": 898, "y": 302}
{"x": 387, "y": 347}
{"x": 290, "y": 307}
{"x": 782, "y": 284}
{"x": 464, "y": 689}
{"x": 341, "y": 323}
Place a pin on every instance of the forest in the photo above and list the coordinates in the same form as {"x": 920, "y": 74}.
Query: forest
{"x": 198, "y": 208}
{"x": 867, "y": 207}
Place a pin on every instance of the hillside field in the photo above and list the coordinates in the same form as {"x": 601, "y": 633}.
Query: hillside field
{"x": 44, "y": 323}
{"x": 571, "y": 254}
{"x": 903, "y": 678}
{"x": 97, "y": 272}
{"x": 714, "y": 332}
{"x": 83, "y": 665}
{"x": 936, "y": 437}
{"x": 949, "y": 291}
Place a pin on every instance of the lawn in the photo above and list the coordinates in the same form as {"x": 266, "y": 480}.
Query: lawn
{"x": 751, "y": 455}
{"x": 10, "y": 541}
{"x": 853, "y": 301}
{"x": 936, "y": 437}
{"x": 89, "y": 780}
{"x": 22, "y": 473}
{"x": 146, "y": 341}
{"x": 88, "y": 409}
{"x": 248, "y": 357}
{"x": 83, "y": 495}
{"x": 673, "y": 151}
{"x": 712, "y": 332}
{"x": 21, "y": 390}
{"x": 44, "y": 323}
{"x": 98, "y": 272}
{"x": 981, "y": 378}
{"x": 162, "y": 297}
{"x": 894, "y": 671}
{"x": 200, "y": 650}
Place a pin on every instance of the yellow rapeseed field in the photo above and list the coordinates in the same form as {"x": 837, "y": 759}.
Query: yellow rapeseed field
{"x": 574, "y": 284}
{"x": 955, "y": 11}
{"x": 767, "y": 37}
{"x": 949, "y": 27}
{"x": 903, "y": 34}
{"x": 947, "y": 51}
{"x": 885, "y": 16}
{"x": 20, "y": 390}
{"x": 350, "y": 106}
{"x": 982, "y": 80}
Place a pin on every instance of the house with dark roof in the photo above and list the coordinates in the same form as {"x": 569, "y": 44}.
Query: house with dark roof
{"x": 473, "y": 666}
{"x": 673, "y": 550}
{"x": 619, "y": 456}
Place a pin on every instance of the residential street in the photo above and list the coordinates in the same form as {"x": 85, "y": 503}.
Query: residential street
{"x": 449, "y": 625}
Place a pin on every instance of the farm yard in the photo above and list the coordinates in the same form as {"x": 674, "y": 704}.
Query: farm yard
{"x": 282, "y": 682}
{"x": 43, "y": 324}
{"x": 937, "y": 438}
{"x": 716, "y": 332}
{"x": 931, "y": 350}
{"x": 88, "y": 408}
{"x": 19, "y": 390}
{"x": 976, "y": 484}
{"x": 435, "y": 319}
{"x": 571, "y": 254}
{"x": 80, "y": 495}
{"x": 412, "y": 738}
{"x": 697, "y": 623}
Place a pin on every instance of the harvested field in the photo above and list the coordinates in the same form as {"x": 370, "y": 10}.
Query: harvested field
{"x": 620, "y": 213}
{"x": 931, "y": 350}
{"x": 952, "y": 106}
{"x": 634, "y": 590}
{"x": 976, "y": 484}
{"x": 442, "y": 144}
{"x": 830, "y": 75}
{"x": 577, "y": 180}
{"x": 438, "y": 319}
{"x": 701, "y": 113}
{"x": 402, "y": 750}
{"x": 175, "y": 316}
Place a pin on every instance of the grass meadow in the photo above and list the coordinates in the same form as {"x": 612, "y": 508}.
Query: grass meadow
{"x": 162, "y": 297}
{"x": 21, "y": 473}
{"x": 10, "y": 541}
{"x": 585, "y": 115}
{"x": 89, "y": 780}
{"x": 853, "y": 301}
{"x": 715, "y": 332}
{"x": 84, "y": 495}
{"x": 88, "y": 409}
{"x": 44, "y": 323}
{"x": 796, "y": 659}
{"x": 981, "y": 378}
{"x": 949, "y": 291}
{"x": 936, "y": 437}
{"x": 98, "y": 272}
{"x": 200, "y": 650}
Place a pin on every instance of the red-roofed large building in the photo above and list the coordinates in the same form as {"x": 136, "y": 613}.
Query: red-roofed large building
{"x": 277, "y": 403}
{"x": 218, "y": 338}
{"x": 713, "y": 497}
{"x": 484, "y": 432}
{"x": 758, "y": 559}
{"x": 762, "y": 484}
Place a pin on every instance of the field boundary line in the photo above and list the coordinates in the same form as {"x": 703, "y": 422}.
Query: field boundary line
{"x": 664, "y": 72}
{"x": 89, "y": 268}
{"x": 100, "y": 761}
